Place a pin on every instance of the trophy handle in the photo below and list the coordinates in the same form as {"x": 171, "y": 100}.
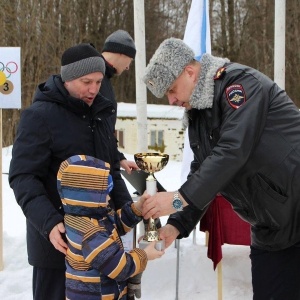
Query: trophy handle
{"x": 151, "y": 185}
{"x": 151, "y": 163}
{"x": 151, "y": 233}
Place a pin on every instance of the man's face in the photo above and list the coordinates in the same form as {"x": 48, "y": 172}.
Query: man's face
{"x": 122, "y": 63}
{"x": 86, "y": 87}
{"x": 181, "y": 90}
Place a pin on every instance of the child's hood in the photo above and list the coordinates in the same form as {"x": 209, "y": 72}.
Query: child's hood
{"x": 83, "y": 183}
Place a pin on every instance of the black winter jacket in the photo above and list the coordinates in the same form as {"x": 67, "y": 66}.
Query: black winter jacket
{"x": 107, "y": 91}
{"x": 251, "y": 154}
{"x": 55, "y": 127}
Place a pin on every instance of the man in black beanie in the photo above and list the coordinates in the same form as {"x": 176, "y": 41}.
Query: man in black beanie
{"x": 68, "y": 117}
{"x": 118, "y": 53}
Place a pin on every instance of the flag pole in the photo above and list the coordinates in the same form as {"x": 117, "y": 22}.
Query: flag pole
{"x": 140, "y": 66}
{"x": 1, "y": 204}
{"x": 279, "y": 42}
{"x": 197, "y": 36}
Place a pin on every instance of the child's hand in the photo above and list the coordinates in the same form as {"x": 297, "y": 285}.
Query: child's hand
{"x": 140, "y": 202}
{"x": 152, "y": 253}
{"x": 140, "y": 238}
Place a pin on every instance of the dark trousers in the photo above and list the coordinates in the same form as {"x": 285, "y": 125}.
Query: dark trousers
{"x": 48, "y": 284}
{"x": 276, "y": 274}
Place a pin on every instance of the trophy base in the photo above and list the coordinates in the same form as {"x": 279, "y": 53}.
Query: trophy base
{"x": 159, "y": 245}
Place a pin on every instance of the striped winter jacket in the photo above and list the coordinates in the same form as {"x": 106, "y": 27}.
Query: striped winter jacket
{"x": 97, "y": 267}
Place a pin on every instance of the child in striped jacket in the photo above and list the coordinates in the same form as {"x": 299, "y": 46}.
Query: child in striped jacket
{"x": 97, "y": 267}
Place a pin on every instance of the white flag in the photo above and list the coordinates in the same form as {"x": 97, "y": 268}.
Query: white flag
{"x": 197, "y": 36}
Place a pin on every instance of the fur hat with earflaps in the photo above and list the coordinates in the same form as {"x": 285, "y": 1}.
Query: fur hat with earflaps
{"x": 167, "y": 63}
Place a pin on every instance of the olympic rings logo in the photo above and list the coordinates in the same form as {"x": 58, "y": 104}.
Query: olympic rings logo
{"x": 8, "y": 69}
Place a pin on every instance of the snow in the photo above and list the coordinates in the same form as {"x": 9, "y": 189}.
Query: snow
{"x": 197, "y": 280}
{"x": 127, "y": 110}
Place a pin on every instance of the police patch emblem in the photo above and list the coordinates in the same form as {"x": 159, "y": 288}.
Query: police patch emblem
{"x": 235, "y": 95}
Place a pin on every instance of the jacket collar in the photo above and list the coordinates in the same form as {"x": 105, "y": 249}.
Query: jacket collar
{"x": 203, "y": 94}
{"x": 110, "y": 71}
{"x": 53, "y": 90}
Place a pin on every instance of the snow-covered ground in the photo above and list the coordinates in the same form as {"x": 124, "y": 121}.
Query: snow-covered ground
{"x": 197, "y": 280}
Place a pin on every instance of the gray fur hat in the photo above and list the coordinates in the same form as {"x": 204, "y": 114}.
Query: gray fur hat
{"x": 120, "y": 41}
{"x": 167, "y": 63}
{"x": 80, "y": 60}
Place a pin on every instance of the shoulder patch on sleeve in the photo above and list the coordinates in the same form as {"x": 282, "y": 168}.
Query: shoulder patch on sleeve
{"x": 235, "y": 95}
{"x": 220, "y": 72}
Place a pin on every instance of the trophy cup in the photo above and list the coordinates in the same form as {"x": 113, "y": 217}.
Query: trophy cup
{"x": 150, "y": 163}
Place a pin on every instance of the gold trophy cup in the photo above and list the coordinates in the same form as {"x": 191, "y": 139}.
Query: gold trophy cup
{"x": 150, "y": 163}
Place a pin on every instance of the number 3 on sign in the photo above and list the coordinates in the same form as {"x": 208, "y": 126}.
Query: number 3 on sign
{"x": 7, "y": 87}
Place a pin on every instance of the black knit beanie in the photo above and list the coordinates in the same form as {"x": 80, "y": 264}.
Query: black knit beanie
{"x": 80, "y": 60}
{"x": 120, "y": 41}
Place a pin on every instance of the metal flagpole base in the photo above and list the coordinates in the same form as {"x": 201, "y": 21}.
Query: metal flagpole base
{"x": 177, "y": 245}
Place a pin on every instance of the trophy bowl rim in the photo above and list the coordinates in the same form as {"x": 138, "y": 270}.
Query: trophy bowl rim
{"x": 138, "y": 157}
{"x": 151, "y": 154}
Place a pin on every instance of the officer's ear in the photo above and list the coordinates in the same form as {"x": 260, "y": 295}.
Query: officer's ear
{"x": 191, "y": 72}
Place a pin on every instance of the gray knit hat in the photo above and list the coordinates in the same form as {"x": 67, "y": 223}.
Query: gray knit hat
{"x": 167, "y": 63}
{"x": 81, "y": 60}
{"x": 120, "y": 41}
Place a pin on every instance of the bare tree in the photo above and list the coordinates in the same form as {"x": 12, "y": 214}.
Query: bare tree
{"x": 241, "y": 30}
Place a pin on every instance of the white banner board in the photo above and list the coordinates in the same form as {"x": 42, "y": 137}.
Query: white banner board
{"x": 10, "y": 77}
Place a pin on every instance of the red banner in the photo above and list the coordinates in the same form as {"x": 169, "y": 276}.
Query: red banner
{"x": 224, "y": 226}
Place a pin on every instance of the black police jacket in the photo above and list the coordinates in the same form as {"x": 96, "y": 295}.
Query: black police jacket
{"x": 107, "y": 91}
{"x": 55, "y": 127}
{"x": 247, "y": 147}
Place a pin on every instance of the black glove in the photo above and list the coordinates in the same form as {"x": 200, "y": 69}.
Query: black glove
{"x": 134, "y": 287}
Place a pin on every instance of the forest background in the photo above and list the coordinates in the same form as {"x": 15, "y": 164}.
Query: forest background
{"x": 241, "y": 30}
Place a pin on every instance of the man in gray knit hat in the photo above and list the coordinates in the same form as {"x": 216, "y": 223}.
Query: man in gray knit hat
{"x": 68, "y": 117}
{"x": 244, "y": 131}
{"x": 118, "y": 52}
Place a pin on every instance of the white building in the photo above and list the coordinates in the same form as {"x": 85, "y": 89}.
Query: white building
{"x": 164, "y": 126}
